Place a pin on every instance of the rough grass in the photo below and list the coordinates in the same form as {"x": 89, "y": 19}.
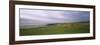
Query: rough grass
{"x": 66, "y": 28}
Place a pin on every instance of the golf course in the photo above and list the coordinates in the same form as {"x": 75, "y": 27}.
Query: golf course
{"x": 60, "y": 28}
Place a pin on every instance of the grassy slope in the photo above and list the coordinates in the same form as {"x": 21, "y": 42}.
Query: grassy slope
{"x": 57, "y": 29}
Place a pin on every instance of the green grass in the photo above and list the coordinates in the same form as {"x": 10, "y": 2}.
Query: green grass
{"x": 68, "y": 28}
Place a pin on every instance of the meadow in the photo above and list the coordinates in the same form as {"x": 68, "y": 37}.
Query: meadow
{"x": 61, "y": 28}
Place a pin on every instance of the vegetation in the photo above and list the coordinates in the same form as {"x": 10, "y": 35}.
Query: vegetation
{"x": 61, "y": 28}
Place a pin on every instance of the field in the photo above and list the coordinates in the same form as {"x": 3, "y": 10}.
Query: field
{"x": 61, "y": 28}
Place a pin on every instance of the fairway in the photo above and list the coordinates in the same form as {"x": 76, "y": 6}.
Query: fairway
{"x": 61, "y": 28}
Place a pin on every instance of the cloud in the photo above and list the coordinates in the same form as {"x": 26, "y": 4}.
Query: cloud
{"x": 52, "y": 16}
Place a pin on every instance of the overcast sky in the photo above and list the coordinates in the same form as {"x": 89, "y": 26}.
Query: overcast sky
{"x": 35, "y": 17}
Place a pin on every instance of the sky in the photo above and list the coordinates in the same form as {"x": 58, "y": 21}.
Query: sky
{"x": 38, "y": 17}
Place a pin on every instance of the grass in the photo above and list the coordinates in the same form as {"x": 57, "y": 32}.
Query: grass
{"x": 65, "y": 28}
